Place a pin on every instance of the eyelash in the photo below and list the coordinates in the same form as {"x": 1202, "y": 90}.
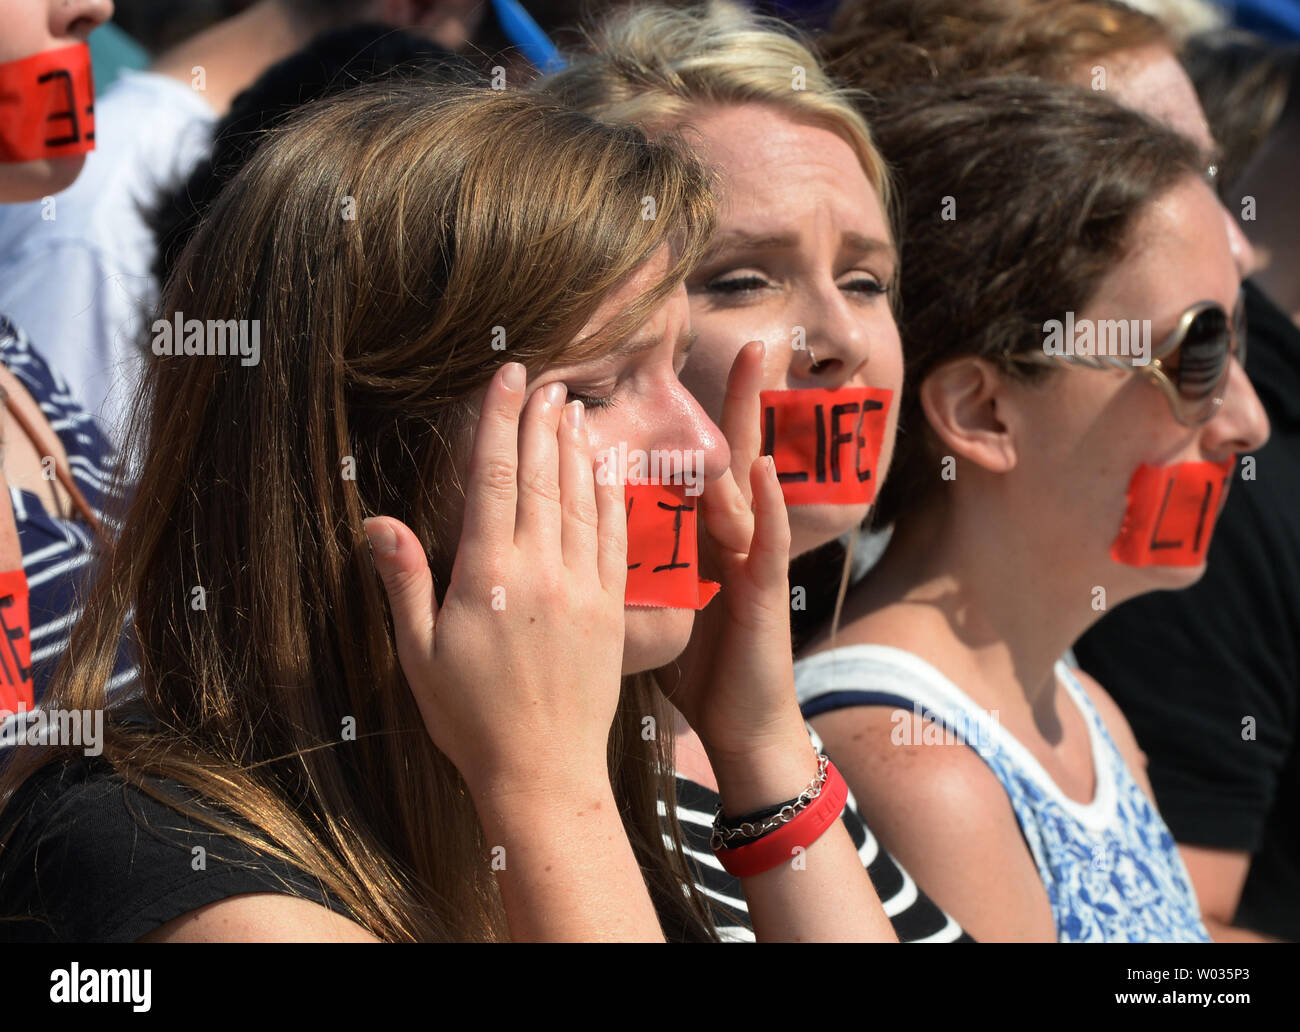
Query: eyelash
{"x": 744, "y": 284}
{"x": 593, "y": 402}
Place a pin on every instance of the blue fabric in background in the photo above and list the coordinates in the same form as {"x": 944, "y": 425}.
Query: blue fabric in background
{"x": 112, "y": 50}
{"x": 807, "y": 14}
{"x": 1278, "y": 20}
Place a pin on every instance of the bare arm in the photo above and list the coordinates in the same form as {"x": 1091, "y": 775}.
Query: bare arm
{"x": 946, "y": 819}
{"x": 1218, "y": 876}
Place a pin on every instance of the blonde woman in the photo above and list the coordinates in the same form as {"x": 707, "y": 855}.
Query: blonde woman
{"x": 793, "y": 293}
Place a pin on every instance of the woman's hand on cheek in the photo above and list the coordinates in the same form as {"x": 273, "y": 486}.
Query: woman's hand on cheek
{"x": 517, "y": 674}
{"x": 738, "y": 688}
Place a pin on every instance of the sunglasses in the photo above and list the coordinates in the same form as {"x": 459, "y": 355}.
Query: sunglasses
{"x": 1190, "y": 366}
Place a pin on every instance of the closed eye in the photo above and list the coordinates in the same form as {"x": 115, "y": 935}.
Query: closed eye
{"x": 737, "y": 284}
{"x": 867, "y": 285}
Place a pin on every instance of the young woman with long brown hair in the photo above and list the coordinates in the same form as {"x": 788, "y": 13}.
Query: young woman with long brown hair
{"x": 431, "y": 272}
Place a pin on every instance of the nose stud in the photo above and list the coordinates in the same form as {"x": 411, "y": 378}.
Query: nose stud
{"x": 815, "y": 367}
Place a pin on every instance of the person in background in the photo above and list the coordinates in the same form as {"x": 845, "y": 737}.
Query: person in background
{"x": 1185, "y": 667}
{"x": 56, "y": 500}
{"x": 334, "y": 61}
{"x": 75, "y": 265}
{"x": 1278, "y": 20}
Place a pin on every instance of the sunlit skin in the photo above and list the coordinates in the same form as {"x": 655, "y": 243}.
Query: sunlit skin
{"x": 637, "y": 398}
{"x": 1106, "y": 425}
{"x": 29, "y": 27}
{"x": 802, "y": 241}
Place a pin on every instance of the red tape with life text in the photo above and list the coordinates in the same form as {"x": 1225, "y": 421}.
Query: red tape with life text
{"x": 826, "y": 443}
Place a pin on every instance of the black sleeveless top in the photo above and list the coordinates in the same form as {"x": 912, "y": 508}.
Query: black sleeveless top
{"x": 94, "y": 859}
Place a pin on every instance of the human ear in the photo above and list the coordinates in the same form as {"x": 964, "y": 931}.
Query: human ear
{"x": 971, "y": 412}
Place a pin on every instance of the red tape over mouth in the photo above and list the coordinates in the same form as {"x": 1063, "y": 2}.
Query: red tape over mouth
{"x": 47, "y": 105}
{"x": 1171, "y": 513}
{"x": 16, "y": 691}
{"x": 663, "y": 563}
{"x": 826, "y": 443}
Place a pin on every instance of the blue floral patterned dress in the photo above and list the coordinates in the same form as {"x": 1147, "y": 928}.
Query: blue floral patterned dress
{"x": 1111, "y": 868}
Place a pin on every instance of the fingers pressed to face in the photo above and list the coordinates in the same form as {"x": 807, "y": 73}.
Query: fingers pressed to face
{"x": 611, "y": 536}
{"x": 769, "y": 554}
{"x": 491, "y": 492}
{"x": 742, "y": 411}
{"x": 726, "y": 512}
{"x": 577, "y": 490}
{"x": 537, "y": 520}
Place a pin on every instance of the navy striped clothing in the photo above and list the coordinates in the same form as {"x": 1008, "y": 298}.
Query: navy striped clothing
{"x": 58, "y": 554}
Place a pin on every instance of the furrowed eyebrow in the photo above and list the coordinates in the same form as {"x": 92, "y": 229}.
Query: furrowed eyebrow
{"x": 871, "y": 245}
{"x": 736, "y": 238}
{"x": 685, "y": 341}
{"x": 857, "y": 242}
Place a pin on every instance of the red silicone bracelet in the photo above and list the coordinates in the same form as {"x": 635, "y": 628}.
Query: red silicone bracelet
{"x": 772, "y": 850}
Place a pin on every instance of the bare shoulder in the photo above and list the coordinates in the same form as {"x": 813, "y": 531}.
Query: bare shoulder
{"x": 943, "y": 814}
{"x": 261, "y": 917}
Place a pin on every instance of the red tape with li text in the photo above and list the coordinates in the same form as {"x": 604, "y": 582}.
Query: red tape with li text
{"x": 826, "y": 443}
{"x": 47, "y": 105}
{"x": 663, "y": 563}
{"x": 1171, "y": 513}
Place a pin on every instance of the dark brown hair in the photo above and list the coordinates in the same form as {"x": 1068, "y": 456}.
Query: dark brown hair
{"x": 378, "y": 240}
{"x": 884, "y": 44}
{"x": 1042, "y": 184}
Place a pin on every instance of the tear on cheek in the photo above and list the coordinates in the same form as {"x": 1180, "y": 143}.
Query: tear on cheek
{"x": 1171, "y": 513}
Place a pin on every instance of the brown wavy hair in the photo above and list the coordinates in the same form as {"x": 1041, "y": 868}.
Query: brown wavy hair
{"x": 885, "y": 44}
{"x": 474, "y": 209}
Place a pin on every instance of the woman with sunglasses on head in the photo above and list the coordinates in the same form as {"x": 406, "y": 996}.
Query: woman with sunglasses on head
{"x": 792, "y": 296}
{"x": 432, "y": 270}
{"x": 1035, "y": 485}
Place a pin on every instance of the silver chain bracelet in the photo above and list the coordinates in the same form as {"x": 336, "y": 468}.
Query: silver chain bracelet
{"x": 724, "y": 834}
